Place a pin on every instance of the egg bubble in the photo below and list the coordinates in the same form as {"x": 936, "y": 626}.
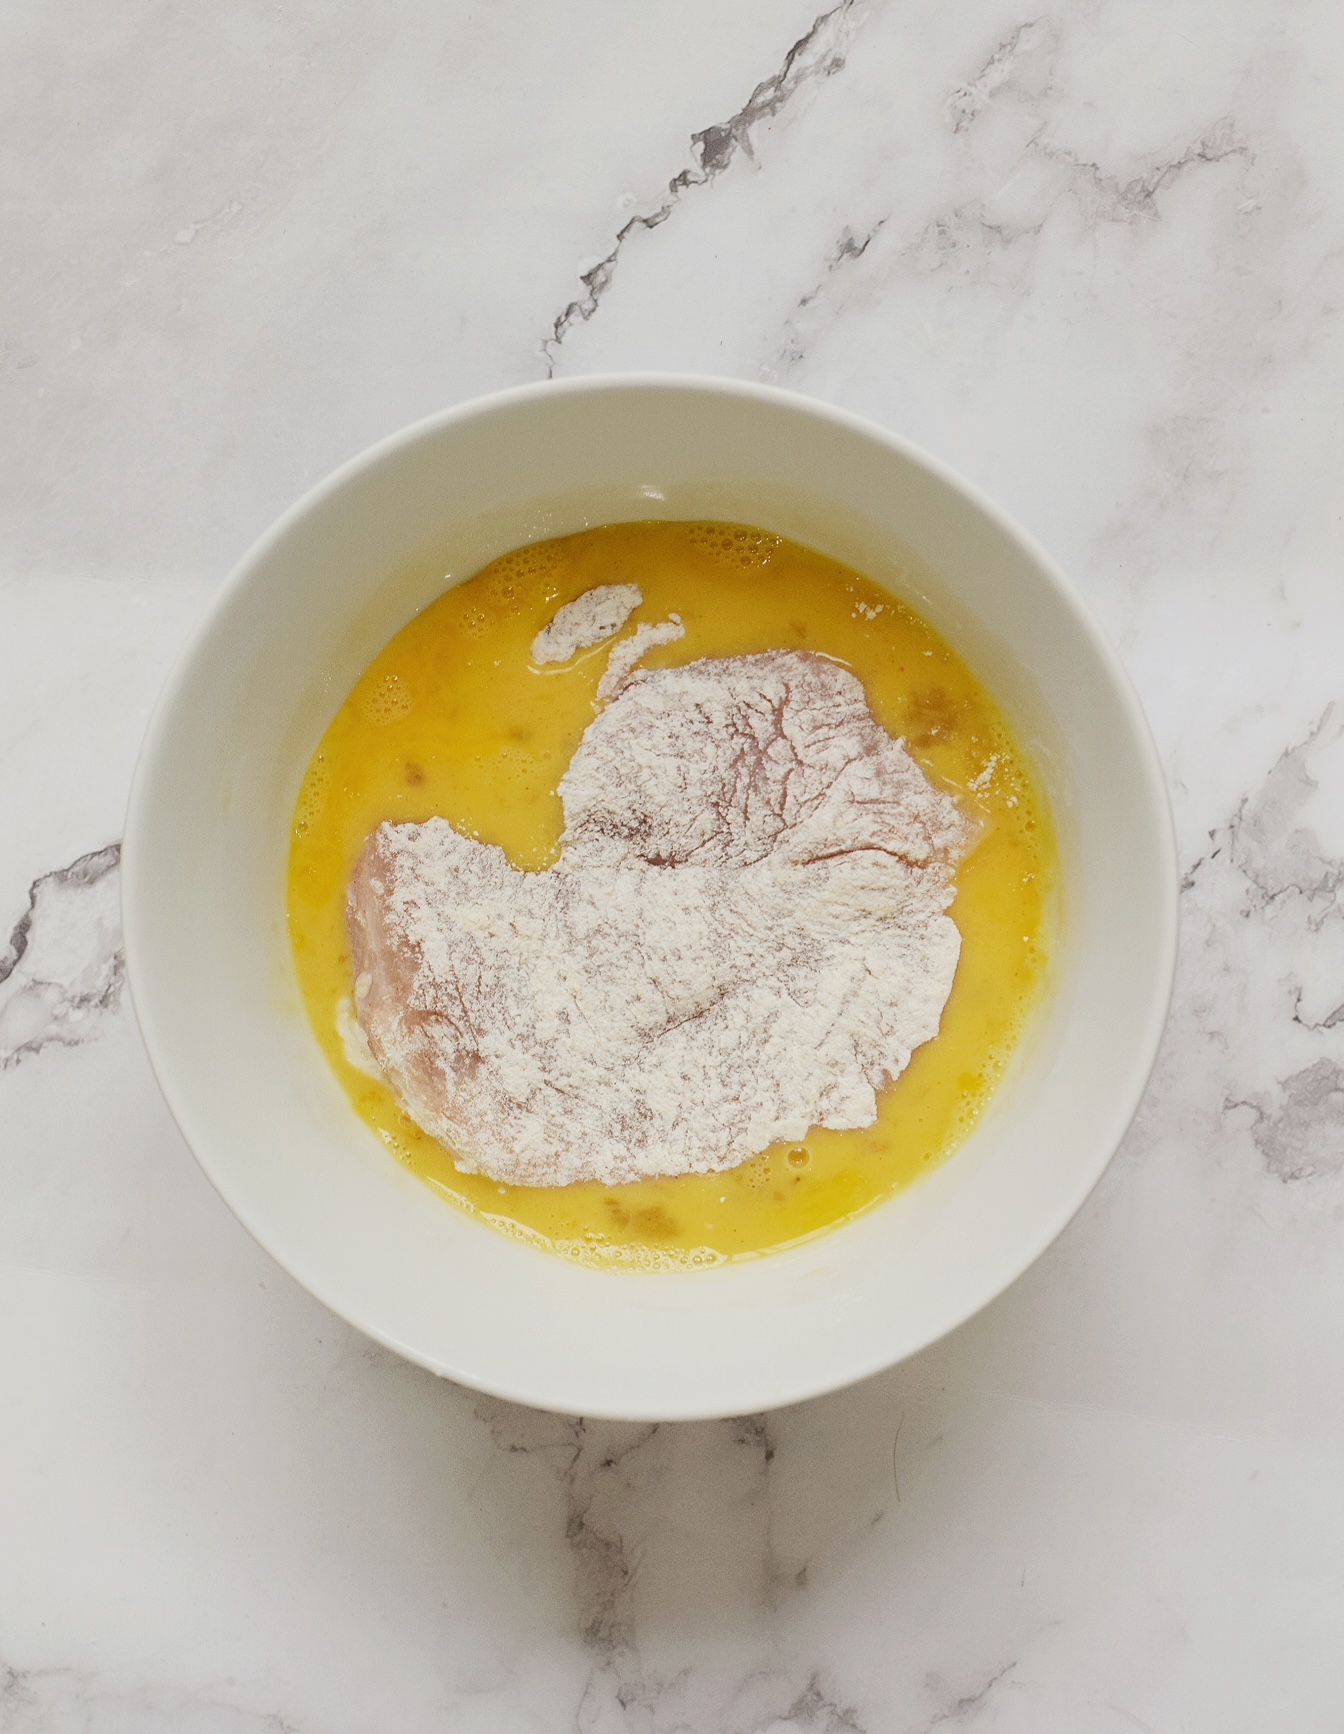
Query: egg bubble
{"x": 601, "y": 1254}
{"x": 386, "y": 700}
{"x": 736, "y": 544}
{"x": 755, "y": 1173}
{"x": 312, "y": 795}
{"x": 509, "y": 584}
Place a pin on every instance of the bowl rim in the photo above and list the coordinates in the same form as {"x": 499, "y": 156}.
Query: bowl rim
{"x": 1143, "y": 1051}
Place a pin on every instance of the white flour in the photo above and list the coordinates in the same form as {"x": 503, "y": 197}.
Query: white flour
{"x": 627, "y": 653}
{"x": 745, "y": 936}
{"x": 354, "y": 1043}
{"x": 595, "y": 616}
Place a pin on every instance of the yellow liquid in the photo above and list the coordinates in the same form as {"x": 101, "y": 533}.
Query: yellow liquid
{"x": 452, "y": 719}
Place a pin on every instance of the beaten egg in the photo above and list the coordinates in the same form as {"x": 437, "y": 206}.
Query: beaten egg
{"x": 453, "y": 719}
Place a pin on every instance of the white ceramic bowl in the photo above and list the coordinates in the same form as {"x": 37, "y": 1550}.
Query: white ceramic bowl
{"x": 215, "y": 988}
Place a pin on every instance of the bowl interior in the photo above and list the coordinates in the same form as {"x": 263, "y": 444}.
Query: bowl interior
{"x": 215, "y": 990}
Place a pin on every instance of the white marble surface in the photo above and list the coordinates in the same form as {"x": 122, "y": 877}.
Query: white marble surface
{"x": 1092, "y": 253}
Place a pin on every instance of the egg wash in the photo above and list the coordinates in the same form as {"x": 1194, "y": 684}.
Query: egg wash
{"x": 455, "y": 720}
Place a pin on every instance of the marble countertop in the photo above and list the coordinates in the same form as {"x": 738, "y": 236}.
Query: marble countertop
{"x": 1092, "y": 254}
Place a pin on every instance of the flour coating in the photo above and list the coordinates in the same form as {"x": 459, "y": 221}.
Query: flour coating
{"x": 745, "y": 936}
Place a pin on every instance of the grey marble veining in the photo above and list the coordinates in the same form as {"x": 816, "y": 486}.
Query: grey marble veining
{"x": 63, "y": 968}
{"x": 817, "y": 54}
{"x": 1091, "y": 253}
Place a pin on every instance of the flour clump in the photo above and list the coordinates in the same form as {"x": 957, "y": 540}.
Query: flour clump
{"x": 590, "y": 619}
{"x": 628, "y": 652}
{"x": 745, "y": 936}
